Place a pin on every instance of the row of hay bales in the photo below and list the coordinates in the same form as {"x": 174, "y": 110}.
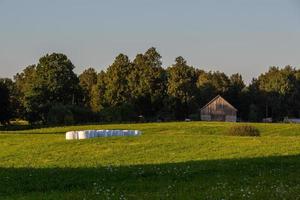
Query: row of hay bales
{"x": 80, "y": 135}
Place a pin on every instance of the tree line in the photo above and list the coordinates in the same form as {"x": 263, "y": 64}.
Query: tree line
{"x": 49, "y": 92}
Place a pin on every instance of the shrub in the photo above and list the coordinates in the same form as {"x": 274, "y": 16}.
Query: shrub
{"x": 59, "y": 114}
{"x": 243, "y": 130}
{"x": 82, "y": 114}
{"x": 194, "y": 117}
{"x": 121, "y": 113}
{"x": 70, "y": 114}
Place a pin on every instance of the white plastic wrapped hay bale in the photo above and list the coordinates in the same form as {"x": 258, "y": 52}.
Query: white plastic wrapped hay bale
{"x": 100, "y": 133}
{"x": 137, "y": 132}
{"x": 117, "y": 133}
{"x": 104, "y": 133}
{"x": 90, "y": 133}
{"x": 107, "y": 133}
{"x": 96, "y": 133}
{"x": 113, "y": 132}
{"x": 120, "y": 132}
{"x": 124, "y": 132}
{"x": 73, "y": 135}
{"x": 70, "y": 135}
{"x": 131, "y": 132}
{"x": 82, "y": 135}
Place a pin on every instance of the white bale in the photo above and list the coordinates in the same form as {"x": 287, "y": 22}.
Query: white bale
{"x": 120, "y": 132}
{"x": 75, "y": 135}
{"x": 103, "y": 133}
{"x": 100, "y": 133}
{"x": 136, "y": 132}
{"x": 88, "y": 135}
{"x": 125, "y": 132}
{"x": 96, "y": 133}
{"x": 82, "y": 135}
{"x": 108, "y": 133}
{"x": 132, "y": 132}
{"x": 91, "y": 133}
{"x": 70, "y": 135}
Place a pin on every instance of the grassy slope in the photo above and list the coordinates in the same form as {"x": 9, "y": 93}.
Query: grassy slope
{"x": 170, "y": 160}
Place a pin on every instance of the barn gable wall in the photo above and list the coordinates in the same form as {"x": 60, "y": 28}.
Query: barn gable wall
{"x": 218, "y": 110}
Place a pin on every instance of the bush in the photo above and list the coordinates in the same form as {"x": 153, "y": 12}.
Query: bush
{"x": 121, "y": 113}
{"x": 59, "y": 114}
{"x": 243, "y": 130}
{"x": 82, "y": 115}
{"x": 194, "y": 117}
{"x": 70, "y": 114}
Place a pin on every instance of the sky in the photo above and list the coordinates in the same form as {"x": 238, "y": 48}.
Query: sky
{"x": 233, "y": 36}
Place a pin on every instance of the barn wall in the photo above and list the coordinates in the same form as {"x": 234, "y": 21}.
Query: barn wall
{"x": 230, "y": 118}
{"x": 219, "y": 106}
{"x": 218, "y": 110}
{"x": 205, "y": 117}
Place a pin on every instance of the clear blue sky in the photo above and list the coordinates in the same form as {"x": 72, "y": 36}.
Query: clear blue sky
{"x": 245, "y": 36}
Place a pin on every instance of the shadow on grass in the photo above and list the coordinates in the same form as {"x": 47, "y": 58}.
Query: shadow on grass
{"x": 275, "y": 177}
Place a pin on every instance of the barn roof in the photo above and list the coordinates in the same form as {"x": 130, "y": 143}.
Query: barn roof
{"x": 218, "y": 96}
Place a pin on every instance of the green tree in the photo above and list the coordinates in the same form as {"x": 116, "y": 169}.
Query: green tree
{"x": 87, "y": 81}
{"x": 23, "y": 83}
{"x": 15, "y": 106}
{"x": 211, "y": 84}
{"x": 6, "y": 111}
{"x": 181, "y": 87}
{"x": 53, "y": 82}
{"x": 278, "y": 86}
{"x": 98, "y": 101}
{"x": 117, "y": 90}
{"x": 147, "y": 83}
{"x": 235, "y": 92}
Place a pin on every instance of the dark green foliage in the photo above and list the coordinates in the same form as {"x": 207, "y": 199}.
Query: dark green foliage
{"x": 87, "y": 80}
{"x": 147, "y": 83}
{"x": 278, "y": 93}
{"x": 82, "y": 115}
{"x": 117, "y": 88}
{"x": 51, "y": 82}
{"x": 243, "y": 130}
{"x": 5, "y": 104}
{"x": 70, "y": 114}
{"x": 253, "y": 113}
{"x": 181, "y": 88}
{"x": 142, "y": 87}
{"x": 60, "y": 114}
{"x": 194, "y": 117}
{"x": 97, "y": 94}
{"x": 120, "y": 113}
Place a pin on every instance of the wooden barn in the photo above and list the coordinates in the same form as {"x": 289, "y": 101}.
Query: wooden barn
{"x": 218, "y": 109}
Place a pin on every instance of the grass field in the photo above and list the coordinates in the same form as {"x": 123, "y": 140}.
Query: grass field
{"x": 179, "y": 160}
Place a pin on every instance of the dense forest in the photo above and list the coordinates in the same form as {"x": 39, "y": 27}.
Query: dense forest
{"x": 49, "y": 92}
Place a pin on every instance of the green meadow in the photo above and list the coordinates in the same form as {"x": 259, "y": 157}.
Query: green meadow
{"x": 177, "y": 160}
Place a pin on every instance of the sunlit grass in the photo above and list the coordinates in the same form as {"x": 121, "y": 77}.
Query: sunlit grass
{"x": 179, "y": 160}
